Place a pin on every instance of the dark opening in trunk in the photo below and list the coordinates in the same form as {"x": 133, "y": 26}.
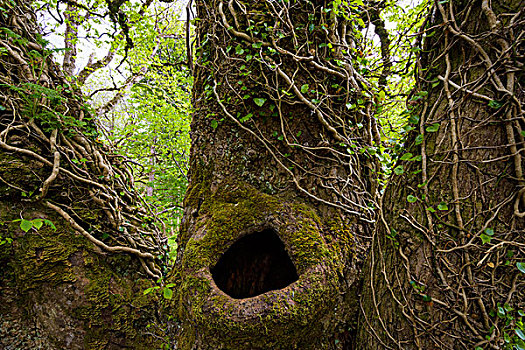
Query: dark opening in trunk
{"x": 255, "y": 264}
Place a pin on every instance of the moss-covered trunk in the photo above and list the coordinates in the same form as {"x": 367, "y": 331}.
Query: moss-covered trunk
{"x": 275, "y": 152}
{"x": 75, "y": 255}
{"x": 444, "y": 271}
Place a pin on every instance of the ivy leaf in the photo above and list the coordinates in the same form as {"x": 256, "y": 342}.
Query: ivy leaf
{"x": 26, "y": 225}
{"x": 50, "y": 224}
{"x": 489, "y": 231}
{"x": 432, "y": 128}
{"x": 398, "y": 170}
{"x": 442, "y": 206}
{"x": 495, "y": 104}
{"x": 501, "y": 312}
{"x": 485, "y": 238}
{"x": 239, "y": 50}
{"x": 304, "y": 88}
{"x": 214, "y": 124}
{"x": 246, "y": 117}
{"x": 520, "y": 266}
{"x": 167, "y": 293}
{"x": 259, "y": 101}
{"x": 419, "y": 139}
{"x": 37, "y": 223}
{"x": 413, "y": 119}
{"x": 406, "y": 156}
{"x": 411, "y": 198}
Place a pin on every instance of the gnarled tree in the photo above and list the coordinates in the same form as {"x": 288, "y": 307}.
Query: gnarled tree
{"x": 283, "y": 184}
{"x": 280, "y": 200}
{"x": 77, "y": 244}
{"x": 445, "y": 271}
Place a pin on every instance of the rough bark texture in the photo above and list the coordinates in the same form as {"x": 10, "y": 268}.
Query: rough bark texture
{"x": 262, "y": 159}
{"x": 442, "y": 273}
{"x": 74, "y": 252}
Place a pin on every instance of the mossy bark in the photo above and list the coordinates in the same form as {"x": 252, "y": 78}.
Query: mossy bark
{"x": 57, "y": 290}
{"x": 238, "y": 185}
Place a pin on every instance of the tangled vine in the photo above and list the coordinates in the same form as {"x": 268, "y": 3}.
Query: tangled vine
{"x": 463, "y": 284}
{"x": 300, "y": 65}
{"x": 45, "y": 121}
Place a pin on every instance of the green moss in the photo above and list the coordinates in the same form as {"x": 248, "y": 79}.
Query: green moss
{"x": 285, "y": 317}
{"x": 107, "y": 305}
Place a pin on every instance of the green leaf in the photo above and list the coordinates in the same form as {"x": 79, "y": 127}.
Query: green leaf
{"x": 432, "y": 128}
{"x": 419, "y": 139}
{"x": 495, "y": 104}
{"x": 432, "y": 210}
{"x": 50, "y": 224}
{"x": 411, "y": 198}
{"x": 167, "y": 293}
{"x": 214, "y": 124}
{"x": 246, "y": 117}
{"x": 26, "y": 225}
{"x": 259, "y": 101}
{"x": 239, "y": 50}
{"x": 147, "y": 291}
{"x": 398, "y": 170}
{"x": 37, "y": 223}
{"x": 485, "y": 238}
{"x": 413, "y": 119}
{"x": 520, "y": 266}
{"x": 442, "y": 206}
{"x": 501, "y": 311}
{"x": 406, "y": 156}
{"x": 304, "y": 88}
{"x": 489, "y": 231}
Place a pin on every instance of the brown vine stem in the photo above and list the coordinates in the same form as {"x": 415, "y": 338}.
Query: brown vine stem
{"x": 56, "y": 164}
{"x": 113, "y": 249}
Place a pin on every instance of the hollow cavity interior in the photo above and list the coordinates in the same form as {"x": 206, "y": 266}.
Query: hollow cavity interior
{"x": 253, "y": 265}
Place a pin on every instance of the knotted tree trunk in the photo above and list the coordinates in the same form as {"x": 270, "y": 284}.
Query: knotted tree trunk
{"x": 445, "y": 269}
{"x": 278, "y": 206}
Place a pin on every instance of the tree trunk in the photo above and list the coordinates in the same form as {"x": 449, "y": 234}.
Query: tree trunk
{"x": 75, "y": 249}
{"x": 443, "y": 271}
{"x": 278, "y": 206}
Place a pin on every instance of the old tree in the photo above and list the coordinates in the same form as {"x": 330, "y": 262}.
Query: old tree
{"x": 296, "y": 231}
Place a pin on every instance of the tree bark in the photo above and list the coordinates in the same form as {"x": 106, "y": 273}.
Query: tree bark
{"x": 75, "y": 248}
{"x": 280, "y": 206}
{"x": 275, "y": 152}
{"x": 443, "y": 273}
